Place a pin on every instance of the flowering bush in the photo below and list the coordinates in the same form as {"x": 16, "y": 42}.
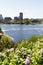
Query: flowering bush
{"x": 19, "y": 56}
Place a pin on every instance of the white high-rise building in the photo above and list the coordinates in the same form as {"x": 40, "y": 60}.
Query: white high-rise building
{"x": 1, "y": 18}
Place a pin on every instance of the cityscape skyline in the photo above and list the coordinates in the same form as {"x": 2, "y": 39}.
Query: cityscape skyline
{"x": 30, "y": 8}
{"x": 20, "y": 17}
{"x": 16, "y": 18}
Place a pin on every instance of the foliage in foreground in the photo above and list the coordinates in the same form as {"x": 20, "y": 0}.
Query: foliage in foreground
{"x": 24, "y": 48}
{"x": 6, "y": 42}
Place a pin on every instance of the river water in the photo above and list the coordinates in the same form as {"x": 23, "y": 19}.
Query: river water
{"x": 19, "y": 32}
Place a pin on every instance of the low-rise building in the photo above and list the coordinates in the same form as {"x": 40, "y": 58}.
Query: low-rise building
{"x": 34, "y": 20}
{"x": 7, "y": 18}
{"x": 16, "y": 18}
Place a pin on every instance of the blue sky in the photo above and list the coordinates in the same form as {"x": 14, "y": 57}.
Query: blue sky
{"x": 30, "y": 8}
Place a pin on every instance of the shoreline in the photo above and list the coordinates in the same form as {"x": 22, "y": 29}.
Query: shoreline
{"x": 9, "y": 37}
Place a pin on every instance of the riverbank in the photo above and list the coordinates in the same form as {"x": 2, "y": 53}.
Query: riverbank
{"x": 6, "y": 43}
{"x": 24, "y": 21}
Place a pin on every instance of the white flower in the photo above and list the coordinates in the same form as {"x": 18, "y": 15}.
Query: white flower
{"x": 0, "y": 54}
{"x": 27, "y": 61}
{"x": 42, "y": 50}
{"x": 12, "y": 49}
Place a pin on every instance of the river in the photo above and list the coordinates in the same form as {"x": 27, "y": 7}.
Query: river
{"x": 19, "y": 32}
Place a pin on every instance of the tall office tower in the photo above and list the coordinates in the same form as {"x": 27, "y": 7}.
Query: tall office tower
{"x": 21, "y": 16}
